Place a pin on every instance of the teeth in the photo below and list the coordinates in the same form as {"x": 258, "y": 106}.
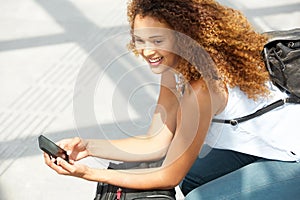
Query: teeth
{"x": 154, "y": 60}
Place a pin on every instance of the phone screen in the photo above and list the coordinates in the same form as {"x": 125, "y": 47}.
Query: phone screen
{"x": 51, "y": 148}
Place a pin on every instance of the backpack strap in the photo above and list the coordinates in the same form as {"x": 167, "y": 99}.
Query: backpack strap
{"x": 259, "y": 112}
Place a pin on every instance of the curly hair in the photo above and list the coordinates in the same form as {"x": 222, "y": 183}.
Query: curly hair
{"x": 223, "y": 32}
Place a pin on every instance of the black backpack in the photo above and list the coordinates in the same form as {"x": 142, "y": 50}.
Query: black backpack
{"x": 112, "y": 192}
{"x": 281, "y": 55}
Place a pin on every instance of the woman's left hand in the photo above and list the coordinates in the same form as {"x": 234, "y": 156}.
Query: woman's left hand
{"x": 64, "y": 168}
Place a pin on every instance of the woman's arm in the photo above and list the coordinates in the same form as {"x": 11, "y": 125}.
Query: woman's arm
{"x": 193, "y": 121}
{"x": 151, "y": 146}
{"x": 154, "y": 144}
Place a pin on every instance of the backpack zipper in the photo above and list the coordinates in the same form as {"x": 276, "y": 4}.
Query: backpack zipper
{"x": 119, "y": 193}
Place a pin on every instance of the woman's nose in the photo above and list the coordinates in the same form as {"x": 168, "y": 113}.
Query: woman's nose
{"x": 148, "y": 51}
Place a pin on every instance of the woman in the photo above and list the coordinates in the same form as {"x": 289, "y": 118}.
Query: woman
{"x": 177, "y": 38}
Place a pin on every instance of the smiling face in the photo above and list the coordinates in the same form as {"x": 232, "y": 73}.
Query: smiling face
{"x": 155, "y": 42}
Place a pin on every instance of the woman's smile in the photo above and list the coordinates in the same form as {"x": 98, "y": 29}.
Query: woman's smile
{"x": 155, "y": 61}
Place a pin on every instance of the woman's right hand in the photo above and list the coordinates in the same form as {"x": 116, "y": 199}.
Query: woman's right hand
{"x": 75, "y": 147}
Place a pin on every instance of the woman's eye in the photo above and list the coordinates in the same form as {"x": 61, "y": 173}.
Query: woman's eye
{"x": 158, "y": 41}
{"x": 139, "y": 41}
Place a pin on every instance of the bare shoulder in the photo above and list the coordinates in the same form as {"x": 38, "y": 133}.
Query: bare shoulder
{"x": 213, "y": 94}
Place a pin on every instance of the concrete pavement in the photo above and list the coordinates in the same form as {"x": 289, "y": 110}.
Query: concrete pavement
{"x": 50, "y": 52}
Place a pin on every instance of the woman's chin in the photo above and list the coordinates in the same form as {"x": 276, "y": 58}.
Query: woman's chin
{"x": 158, "y": 69}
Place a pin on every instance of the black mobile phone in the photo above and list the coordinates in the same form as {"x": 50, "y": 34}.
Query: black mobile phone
{"x": 52, "y": 149}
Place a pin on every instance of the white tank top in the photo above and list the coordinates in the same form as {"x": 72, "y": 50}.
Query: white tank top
{"x": 274, "y": 135}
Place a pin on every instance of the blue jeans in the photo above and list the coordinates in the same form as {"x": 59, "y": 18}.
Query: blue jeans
{"x": 225, "y": 174}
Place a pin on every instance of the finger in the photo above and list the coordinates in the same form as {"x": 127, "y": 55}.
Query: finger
{"x": 47, "y": 158}
{"x": 51, "y": 163}
{"x": 58, "y": 168}
{"x": 69, "y": 152}
{"x": 65, "y": 165}
{"x": 74, "y": 142}
{"x": 63, "y": 143}
{"x": 72, "y": 162}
